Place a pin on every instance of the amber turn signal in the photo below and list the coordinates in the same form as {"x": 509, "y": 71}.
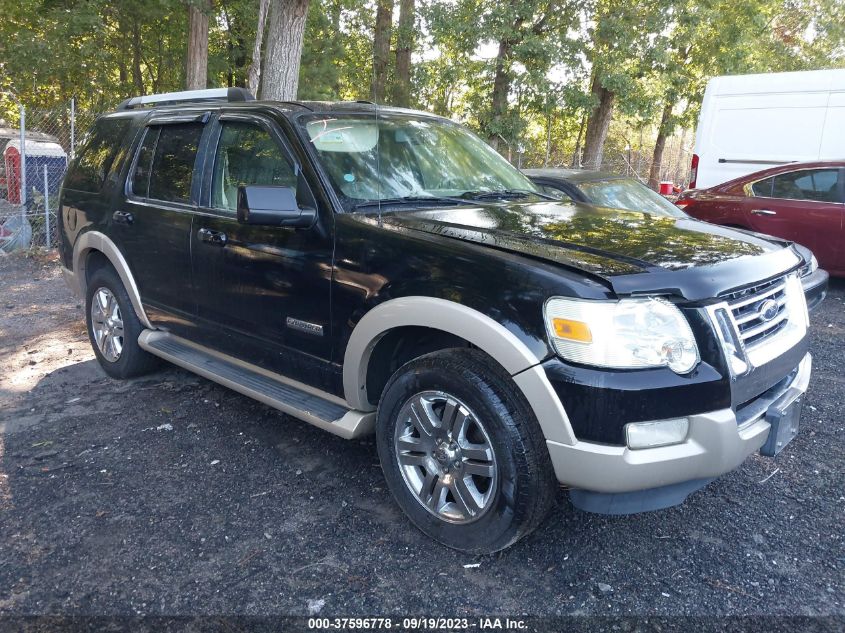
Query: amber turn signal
{"x": 572, "y": 330}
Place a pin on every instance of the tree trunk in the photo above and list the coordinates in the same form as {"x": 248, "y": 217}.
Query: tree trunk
{"x": 196, "y": 67}
{"x": 681, "y": 166}
{"x": 137, "y": 74}
{"x": 501, "y": 88}
{"x": 336, "y": 12}
{"x": 381, "y": 48}
{"x": 404, "y": 46}
{"x": 123, "y": 70}
{"x": 123, "y": 66}
{"x": 284, "y": 49}
{"x": 254, "y": 75}
{"x": 662, "y": 134}
{"x": 576, "y": 155}
{"x": 598, "y": 124}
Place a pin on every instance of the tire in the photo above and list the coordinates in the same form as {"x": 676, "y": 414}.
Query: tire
{"x": 107, "y": 308}
{"x": 500, "y": 483}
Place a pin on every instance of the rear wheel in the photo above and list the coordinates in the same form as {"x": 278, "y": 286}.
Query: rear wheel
{"x": 114, "y": 328}
{"x": 462, "y": 452}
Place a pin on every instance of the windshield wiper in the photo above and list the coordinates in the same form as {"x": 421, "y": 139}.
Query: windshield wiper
{"x": 411, "y": 200}
{"x": 504, "y": 194}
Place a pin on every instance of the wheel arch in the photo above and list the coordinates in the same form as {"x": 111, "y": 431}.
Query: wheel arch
{"x": 94, "y": 241}
{"x": 466, "y": 324}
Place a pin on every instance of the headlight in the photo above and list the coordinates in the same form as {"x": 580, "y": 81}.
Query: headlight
{"x": 796, "y": 302}
{"x": 810, "y": 267}
{"x": 625, "y": 334}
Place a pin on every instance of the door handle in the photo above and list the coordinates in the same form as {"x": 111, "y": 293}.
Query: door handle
{"x": 763, "y": 212}
{"x": 215, "y": 238}
{"x": 122, "y": 217}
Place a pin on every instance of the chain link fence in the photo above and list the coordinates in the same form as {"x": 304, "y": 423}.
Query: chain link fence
{"x": 633, "y": 162}
{"x": 636, "y": 163}
{"x": 35, "y": 148}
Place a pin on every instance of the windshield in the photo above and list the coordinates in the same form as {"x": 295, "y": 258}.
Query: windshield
{"x": 625, "y": 193}
{"x": 417, "y": 157}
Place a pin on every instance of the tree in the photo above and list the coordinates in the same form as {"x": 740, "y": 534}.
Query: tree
{"x": 196, "y": 64}
{"x": 717, "y": 37}
{"x": 404, "y": 47}
{"x": 526, "y": 35}
{"x": 621, "y": 52}
{"x": 381, "y": 48}
{"x": 528, "y": 71}
{"x": 286, "y": 27}
{"x": 254, "y": 75}
{"x": 598, "y": 122}
{"x": 529, "y": 37}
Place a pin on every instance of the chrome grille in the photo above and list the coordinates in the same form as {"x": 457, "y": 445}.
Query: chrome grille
{"x": 745, "y": 305}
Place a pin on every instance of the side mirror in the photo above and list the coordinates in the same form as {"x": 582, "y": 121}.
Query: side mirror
{"x": 268, "y": 205}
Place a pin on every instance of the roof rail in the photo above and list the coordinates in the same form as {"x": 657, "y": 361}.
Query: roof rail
{"x": 188, "y": 96}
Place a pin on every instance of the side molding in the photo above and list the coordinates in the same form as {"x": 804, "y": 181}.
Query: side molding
{"x": 96, "y": 241}
{"x": 471, "y": 325}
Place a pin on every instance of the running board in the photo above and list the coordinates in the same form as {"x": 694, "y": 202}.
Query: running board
{"x": 289, "y": 396}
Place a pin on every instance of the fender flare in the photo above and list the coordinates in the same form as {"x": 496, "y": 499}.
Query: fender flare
{"x": 96, "y": 241}
{"x": 471, "y": 325}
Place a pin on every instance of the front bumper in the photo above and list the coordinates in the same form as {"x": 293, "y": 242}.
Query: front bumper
{"x": 717, "y": 443}
{"x": 815, "y": 288}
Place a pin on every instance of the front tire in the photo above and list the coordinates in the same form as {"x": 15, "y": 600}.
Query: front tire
{"x": 462, "y": 452}
{"x": 114, "y": 328}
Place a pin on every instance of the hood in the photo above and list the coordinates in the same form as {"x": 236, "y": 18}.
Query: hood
{"x": 632, "y": 252}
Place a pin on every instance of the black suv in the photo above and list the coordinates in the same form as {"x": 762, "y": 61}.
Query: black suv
{"x": 373, "y": 269}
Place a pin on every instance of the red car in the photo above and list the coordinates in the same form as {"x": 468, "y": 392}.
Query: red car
{"x": 801, "y": 202}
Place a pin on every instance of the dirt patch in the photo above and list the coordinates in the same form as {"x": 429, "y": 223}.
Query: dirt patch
{"x": 42, "y": 325}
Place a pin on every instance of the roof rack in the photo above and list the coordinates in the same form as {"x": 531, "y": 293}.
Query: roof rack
{"x": 189, "y": 96}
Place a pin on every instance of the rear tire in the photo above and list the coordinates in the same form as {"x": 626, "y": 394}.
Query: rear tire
{"x": 114, "y": 328}
{"x": 462, "y": 452}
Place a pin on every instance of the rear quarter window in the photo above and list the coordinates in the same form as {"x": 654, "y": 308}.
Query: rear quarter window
{"x": 557, "y": 194}
{"x": 98, "y": 156}
{"x": 763, "y": 188}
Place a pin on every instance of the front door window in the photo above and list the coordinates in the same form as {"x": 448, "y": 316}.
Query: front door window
{"x": 247, "y": 155}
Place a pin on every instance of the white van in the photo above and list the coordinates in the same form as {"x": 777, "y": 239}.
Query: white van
{"x": 751, "y": 122}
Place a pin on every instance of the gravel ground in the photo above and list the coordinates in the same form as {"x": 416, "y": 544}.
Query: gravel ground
{"x": 170, "y": 495}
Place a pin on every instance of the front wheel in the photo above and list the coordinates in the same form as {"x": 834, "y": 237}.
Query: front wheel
{"x": 462, "y": 452}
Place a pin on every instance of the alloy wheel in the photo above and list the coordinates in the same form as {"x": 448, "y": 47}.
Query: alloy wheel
{"x": 107, "y": 324}
{"x": 446, "y": 457}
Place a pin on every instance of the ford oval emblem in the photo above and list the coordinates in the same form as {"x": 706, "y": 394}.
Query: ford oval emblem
{"x": 768, "y": 310}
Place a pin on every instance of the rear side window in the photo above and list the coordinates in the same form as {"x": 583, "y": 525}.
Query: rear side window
{"x": 98, "y": 156}
{"x": 819, "y": 185}
{"x": 165, "y": 166}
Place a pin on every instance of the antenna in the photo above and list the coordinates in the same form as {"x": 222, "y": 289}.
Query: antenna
{"x": 378, "y": 141}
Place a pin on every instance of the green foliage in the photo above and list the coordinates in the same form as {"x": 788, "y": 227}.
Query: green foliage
{"x": 541, "y": 53}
